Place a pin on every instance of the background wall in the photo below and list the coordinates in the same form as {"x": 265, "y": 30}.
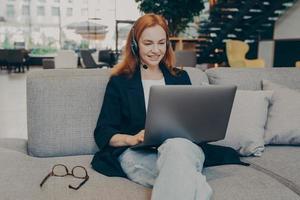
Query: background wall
{"x": 287, "y": 31}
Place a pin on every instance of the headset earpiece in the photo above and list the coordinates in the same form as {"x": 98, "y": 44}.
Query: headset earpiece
{"x": 134, "y": 45}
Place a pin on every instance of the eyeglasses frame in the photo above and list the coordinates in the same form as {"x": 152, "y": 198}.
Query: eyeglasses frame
{"x": 86, "y": 178}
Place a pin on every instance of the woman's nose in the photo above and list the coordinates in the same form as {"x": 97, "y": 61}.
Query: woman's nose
{"x": 155, "y": 48}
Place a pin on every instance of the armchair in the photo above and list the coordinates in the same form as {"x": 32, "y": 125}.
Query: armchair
{"x": 236, "y": 54}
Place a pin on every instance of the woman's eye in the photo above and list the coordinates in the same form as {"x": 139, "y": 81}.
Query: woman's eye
{"x": 147, "y": 44}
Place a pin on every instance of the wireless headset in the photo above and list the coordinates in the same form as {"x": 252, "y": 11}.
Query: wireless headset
{"x": 134, "y": 45}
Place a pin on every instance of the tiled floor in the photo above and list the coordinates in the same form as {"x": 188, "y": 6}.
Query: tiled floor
{"x": 13, "y": 104}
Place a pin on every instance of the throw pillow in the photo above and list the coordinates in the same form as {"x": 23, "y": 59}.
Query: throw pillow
{"x": 283, "y": 125}
{"x": 245, "y": 131}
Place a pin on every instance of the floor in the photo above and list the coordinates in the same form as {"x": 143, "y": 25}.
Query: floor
{"x": 13, "y": 119}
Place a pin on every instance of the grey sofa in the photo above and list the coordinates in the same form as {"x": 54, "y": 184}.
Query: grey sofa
{"x": 63, "y": 107}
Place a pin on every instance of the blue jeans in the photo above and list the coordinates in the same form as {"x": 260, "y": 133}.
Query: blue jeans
{"x": 175, "y": 172}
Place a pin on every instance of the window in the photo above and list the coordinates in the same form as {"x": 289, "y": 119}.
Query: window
{"x": 55, "y": 11}
{"x": 57, "y": 1}
{"x": 43, "y": 1}
{"x": 25, "y": 10}
{"x": 40, "y": 11}
{"x": 84, "y": 12}
{"x": 10, "y": 10}
{"x": 70, "y": 1}
{"x": 26, "y": 0}
{"x": 69, "y": 12}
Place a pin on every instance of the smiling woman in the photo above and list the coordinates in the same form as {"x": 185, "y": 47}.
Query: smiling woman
{"x": 148, "y": 60}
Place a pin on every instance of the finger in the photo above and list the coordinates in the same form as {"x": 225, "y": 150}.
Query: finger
{"x": 141, "y": 138}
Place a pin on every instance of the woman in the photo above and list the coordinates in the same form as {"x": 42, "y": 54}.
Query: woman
{"x": 174, "y": 170}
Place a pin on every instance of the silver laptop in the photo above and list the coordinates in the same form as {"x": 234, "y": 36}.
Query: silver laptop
{"x": 198, "y": 113}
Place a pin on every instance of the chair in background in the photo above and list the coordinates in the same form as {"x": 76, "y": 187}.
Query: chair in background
{"x": 297, "y": 64}
{"x": 3, "y": 54}
{"x": 185, "y": 58}
{"x": 88, "y": 60}
{"x": 65, "y": 59}
{"x": 15, "y": 58}
{"x": 107, "y": 56}
{"x": 236, "y": 54}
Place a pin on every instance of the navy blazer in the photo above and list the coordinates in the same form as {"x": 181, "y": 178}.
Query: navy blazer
{"x": 123, "y": 111}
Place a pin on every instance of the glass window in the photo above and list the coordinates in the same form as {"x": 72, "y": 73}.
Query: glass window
{"x": 55, "y": 11}
{"x": 84, "y": 12}
{"x": 25, "y": 10}
{"x": 10, "y": 10}
{"x": 40, "y": 11}
{"x": 45, "y": 38}
{"x": 69, "y": 12}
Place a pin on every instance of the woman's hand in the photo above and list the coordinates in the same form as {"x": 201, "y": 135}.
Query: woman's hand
{"x": 120, "y": 140}
{"x": 132, "y": 140}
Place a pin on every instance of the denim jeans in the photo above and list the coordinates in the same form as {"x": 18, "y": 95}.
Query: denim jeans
{"x": 175, "y": 172}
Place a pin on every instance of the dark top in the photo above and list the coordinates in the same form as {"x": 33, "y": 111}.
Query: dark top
{"x": 123, "y": 111}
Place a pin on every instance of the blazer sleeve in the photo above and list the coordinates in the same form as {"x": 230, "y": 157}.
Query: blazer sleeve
{"x": 109, "y": 120}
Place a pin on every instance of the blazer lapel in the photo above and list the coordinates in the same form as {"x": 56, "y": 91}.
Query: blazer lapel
{"x": 136, "y": 97}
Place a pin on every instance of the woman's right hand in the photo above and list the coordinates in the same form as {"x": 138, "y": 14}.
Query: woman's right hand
{"x": 132, "y": 140}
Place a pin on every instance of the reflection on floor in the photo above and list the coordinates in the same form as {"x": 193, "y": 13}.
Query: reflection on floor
{"x": 13, "y": 115}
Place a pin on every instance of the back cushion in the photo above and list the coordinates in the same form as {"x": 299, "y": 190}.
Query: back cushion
{"x": 250, "y": 79}
{"x": 63, "y": 106}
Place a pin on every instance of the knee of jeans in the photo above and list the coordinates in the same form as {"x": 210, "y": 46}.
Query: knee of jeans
{"x": 180, "y": 146}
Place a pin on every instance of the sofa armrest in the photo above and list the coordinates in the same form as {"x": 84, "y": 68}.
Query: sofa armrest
{"x": 13, "y": 144}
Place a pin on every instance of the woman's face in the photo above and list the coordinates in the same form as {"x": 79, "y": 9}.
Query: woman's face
{"x": 152, "y": 45}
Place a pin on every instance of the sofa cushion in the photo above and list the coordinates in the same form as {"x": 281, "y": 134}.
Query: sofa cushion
{"x": 21, "y": 180}
{"x": 283, "y": 125}
{"x": 63, "y": 106}
{"x": 233, "y": 182}
{"x": 245, "y": 132}
{"x": 250, "y": 79}
{"x": 197, "y": 76}
{"x": 283, "y": 162}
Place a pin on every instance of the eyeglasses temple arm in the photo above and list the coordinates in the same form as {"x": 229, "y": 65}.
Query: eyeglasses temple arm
{"x": 76, "y": 188}
{"x": 44, "y": 180}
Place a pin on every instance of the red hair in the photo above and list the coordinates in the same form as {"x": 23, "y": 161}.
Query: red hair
{"x": 129, "y": 63}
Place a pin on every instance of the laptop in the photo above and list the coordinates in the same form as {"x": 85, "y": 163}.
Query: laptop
{"x": 198, "y": 113}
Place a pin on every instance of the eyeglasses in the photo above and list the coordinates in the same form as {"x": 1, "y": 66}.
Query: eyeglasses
{"x": 61, "y": 170}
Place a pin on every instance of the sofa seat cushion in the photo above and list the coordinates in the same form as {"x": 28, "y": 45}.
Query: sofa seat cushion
{"x": 21, "y": 175}
{"x": 234, "y": 182}
{"x": 284, "y": 161}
